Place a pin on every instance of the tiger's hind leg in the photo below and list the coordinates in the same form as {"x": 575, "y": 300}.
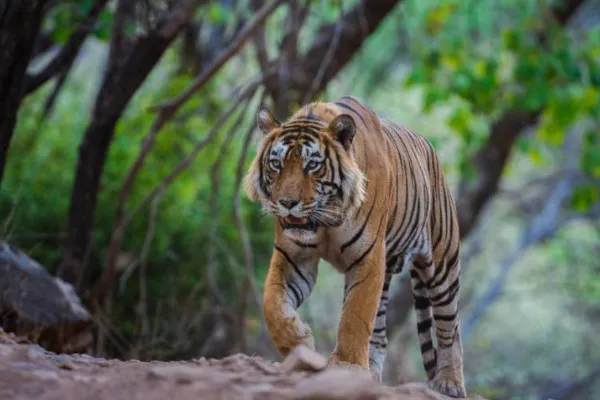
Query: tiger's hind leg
{"x": 378, "y": 340}
{"x": 443, "y": 290}
{"x": 422, "y": 306}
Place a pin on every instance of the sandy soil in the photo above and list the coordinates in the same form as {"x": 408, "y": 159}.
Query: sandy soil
{"x": 27, "y": 371}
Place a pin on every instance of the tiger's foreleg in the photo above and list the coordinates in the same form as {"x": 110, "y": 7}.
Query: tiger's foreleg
{"x": 443, "y": 293}
{"x": 364, "y": 282}
{"x": 288, "y": 284}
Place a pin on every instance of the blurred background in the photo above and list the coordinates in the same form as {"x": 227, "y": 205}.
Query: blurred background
{"x": 127, "y": 126}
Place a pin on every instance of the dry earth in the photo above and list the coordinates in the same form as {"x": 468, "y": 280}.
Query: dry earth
{"x": 27, "y": 371}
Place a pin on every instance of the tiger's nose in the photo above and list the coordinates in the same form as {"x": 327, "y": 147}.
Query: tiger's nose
{"x": 288, "y": 203}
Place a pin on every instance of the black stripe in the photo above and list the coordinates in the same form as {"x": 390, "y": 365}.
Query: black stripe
{"x": 382, "y": 345}
{"x": 424, "y": 326}
{"x": 427, "y": 346}
{"x": 438, "y": 297}
{"x": 433, "y": 283}
{"x": 354, "y": 284}
{"x": 379, "y": 330}
{"x": 355, "y": 263}
{"x": 454, "y": 258}
{"x": 297, "y": 296}
{"x": 443, "y": 337}
{"x": 449, "y": 300}
{"x": 296, "y": 269}
{"x": 347, "y": 107}
{"x": 429, "y": 365}
{"x": 360, "y": 231}
{"x": 448, "y": 318}
{"x": 421, "y": 302}
{"x": 308, "y": 245}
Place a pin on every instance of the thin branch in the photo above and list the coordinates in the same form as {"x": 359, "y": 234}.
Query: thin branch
{"x": 542, "y": 227}
{"x": 143, "y": 303}
{"x": 248, "y": 285}
{"x": 67, "y": 55}
{"x": 58, "y": 86}
{"x": 186, "y": 162}
{"x": 213, "y": 203}
{"x": 169, "y": 108}
{"x": 123, "y": 220}
{"x": 166, "y": 112}
{"x": 324, "y": 65}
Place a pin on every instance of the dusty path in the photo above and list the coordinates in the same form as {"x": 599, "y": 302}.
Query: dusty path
{"x": 29, "y": 372}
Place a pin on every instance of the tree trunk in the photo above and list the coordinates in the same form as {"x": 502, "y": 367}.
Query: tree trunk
{"x": 19, "y": 25}
{"x": 331, "y": 50}
{"x": 129, "y": 65}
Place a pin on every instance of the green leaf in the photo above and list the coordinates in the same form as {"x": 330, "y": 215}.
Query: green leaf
{"x": 584, "y": 197}
{"x": 217, "y": 13}
{"x": 590, "y": 158}
{"x": 103, "y": 25}
{"x": 433, "y": 95}
{"x": 460, "y": 121}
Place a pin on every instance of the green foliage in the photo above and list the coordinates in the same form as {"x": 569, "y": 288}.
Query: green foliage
{"x": 38, "y": 182}
{"x": 551, "y": 73}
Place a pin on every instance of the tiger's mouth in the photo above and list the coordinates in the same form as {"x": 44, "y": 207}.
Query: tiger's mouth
{"x": 291, "y": 222}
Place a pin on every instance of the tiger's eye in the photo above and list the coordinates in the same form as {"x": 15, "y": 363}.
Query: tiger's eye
{"x": 312, "y": 164}
{"x": 275, "y": 164}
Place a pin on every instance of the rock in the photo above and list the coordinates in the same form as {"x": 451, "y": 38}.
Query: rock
{"x": 342, "y": 384}
{"x": 179, "y": 373}
{"x": 35, "y": 352}
{"x": 301, "y": 358}
{"x": 419, "y": 389}
{"x": 48, "y": 376}
{"x": 64, "y": 362}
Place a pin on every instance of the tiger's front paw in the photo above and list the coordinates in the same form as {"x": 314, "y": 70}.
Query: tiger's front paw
{"x": 289, "y": 332}
{"x": 448, "y": 387}
{"x": 335, "y": 361}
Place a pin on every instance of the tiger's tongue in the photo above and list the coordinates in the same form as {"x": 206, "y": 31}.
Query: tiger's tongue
{"x": 295, "y": 220}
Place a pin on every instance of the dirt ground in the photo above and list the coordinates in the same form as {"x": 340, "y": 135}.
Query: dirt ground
{"x": 27, "y": 371}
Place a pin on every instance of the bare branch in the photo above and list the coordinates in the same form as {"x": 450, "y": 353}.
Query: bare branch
{"x": 68, "y": 53}
{"x": 540, "y": 228}
{"x": 143, "y": 301}
{"x": 356, "y": 24}
{"x": 51, "y": 100}
{"x": 166, "y": 112}
{"x": 248, "y": 285}
{"x": 324, "y": 65}
{"x": 213, "y": 203}
{"x": 169, "y": 108}
{"x": 123, "y": 220}
{"x": 186, "y": 162}
{"x": 125, "y": 73}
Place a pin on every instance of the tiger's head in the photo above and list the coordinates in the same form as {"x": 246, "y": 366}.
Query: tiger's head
{"x": 303, "y": 173}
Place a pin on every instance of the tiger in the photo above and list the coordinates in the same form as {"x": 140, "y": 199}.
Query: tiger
{"x": 369, "y": 197}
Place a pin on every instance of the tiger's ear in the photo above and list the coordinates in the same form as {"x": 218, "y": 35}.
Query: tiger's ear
{"x": 343, "y": 129}
{"x": 265, "y": 120}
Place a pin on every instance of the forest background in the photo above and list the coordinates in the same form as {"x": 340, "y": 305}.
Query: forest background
{"x": 127, "y": 127}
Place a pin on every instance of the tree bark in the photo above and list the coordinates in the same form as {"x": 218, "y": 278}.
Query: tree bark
{"x": 350, "y": 32}
{"x": 19, "y": 26}
{"x": 129, "y": 65}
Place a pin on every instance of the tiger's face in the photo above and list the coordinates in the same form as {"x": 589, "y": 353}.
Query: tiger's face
{"x": 303, "y": 174}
